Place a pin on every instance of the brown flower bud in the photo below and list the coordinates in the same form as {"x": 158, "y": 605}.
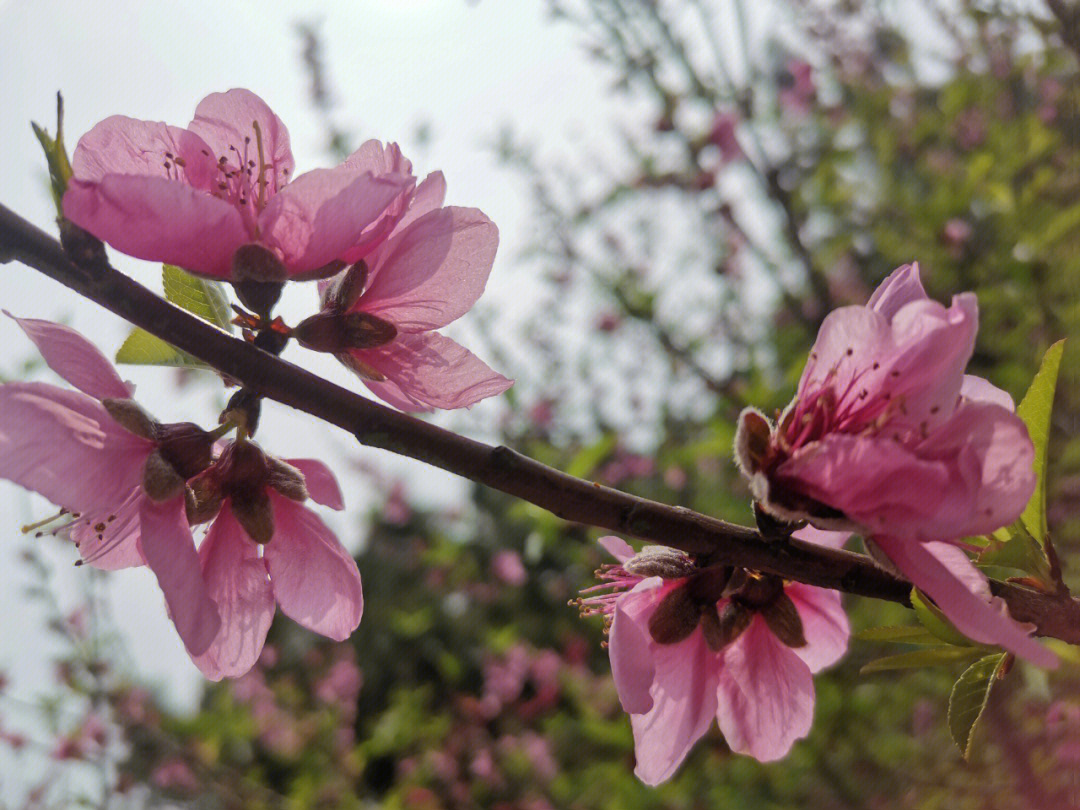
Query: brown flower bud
{"x": 131, "y": 417}
{"x": 783, "y": 619}
{"x": 720, "y": 629}
{"x": 202, "y": 500}
{"x": 359, "y": 367}
{"x": 186, "y": 446}
{"x": 255, "y": 514}
{"x": 337, "y": 332}
{"x": 675, "y": 618}
{"x": 345, "y": 289}
{"x": 659, "y": 561}
{"x": 286, "y": 479}
{"x": 160, "y": 479}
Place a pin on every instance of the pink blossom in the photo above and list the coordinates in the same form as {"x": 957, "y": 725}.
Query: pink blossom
{"x": 888, "y": 437}
{"x": 723, "y": 136}
{"x": 118, "y": 474}
{"x": 174, "y": 774}
{"x": 424, "y": 268}
{"x": 194, "y": 197}
{"x": 797, "y": 88}
{"x": 256, "y": 503}
{"x": 506, "y": 565}
{"x": 687, "y": 645}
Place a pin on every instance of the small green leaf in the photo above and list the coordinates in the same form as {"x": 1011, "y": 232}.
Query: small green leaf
{"x": 931, "y": 617}
{"x": 585, "y": 462}
{"x": 919, "y": 659}
{"x": 56, "y": 155}
{"x": 1035, "y": 411}
{"x": 207, "y": 299}
{"x": 968, "y": 699}
{"x": 1021, "y": 552}
{"x": 909, "y": 634}
{"x": 143, "y": 349}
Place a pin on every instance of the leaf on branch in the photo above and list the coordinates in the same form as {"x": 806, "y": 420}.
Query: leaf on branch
{"x": 908, "y": 634}
{"x": 1020, "y": 552}
{"x": 1035, "y": 411}
{"x": 968, "y": 700}
{"x": 143, "y": 349}
{"x": 931, "y": 617}
{"x": 919, "y": 659}
{"x": 206, "y": 299}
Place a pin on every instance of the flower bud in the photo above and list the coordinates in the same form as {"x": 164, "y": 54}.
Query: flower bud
{"x": 186, "y": 446}
{"x": 337, "y": 332}
{"x": 675, "y": 618}
{"x": 345, "y": 289}
{"x": 160, "y": 479}
{"x": 253, "y": 512}
{"x": 659, "y": 561}
{"x": 131, "y": 417}
{"x": 722, "y": 629}
{"x": 783, "y": 619}
{"x": 286, "y": 479}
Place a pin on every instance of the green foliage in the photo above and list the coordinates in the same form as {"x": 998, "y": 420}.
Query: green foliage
{"x": 205, "y": 299}
{"x": 56, "y": 156}
{"x": 1035, "y": 410}
{"x": 969, "y": 697}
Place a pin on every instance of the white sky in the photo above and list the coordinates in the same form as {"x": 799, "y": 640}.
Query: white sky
{"x": 466, "y": 69}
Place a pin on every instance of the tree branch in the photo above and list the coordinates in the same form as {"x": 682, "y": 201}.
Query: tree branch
{"x": 501, "y": 468}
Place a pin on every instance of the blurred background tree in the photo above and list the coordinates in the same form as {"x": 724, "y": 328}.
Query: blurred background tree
{"x": 783, "y": 160}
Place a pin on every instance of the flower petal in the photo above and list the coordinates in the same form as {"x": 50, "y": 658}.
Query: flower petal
{"x": 166, "y": 543}
{"x": 226, "y": 119}
{"x": 617, "y": 548}
{"x": 825, "y": 625}
{"x": 766, "y": 695}
{"x": 237, "y": 581}
{"x": 630, "y": 647}
{"x": 62, "y": 444}
{"x": 971, "y": 613}
{"x": 110, "y": 541}
{"x": 321, "y": 484}
{"x": 429, "y": 196}
{"x": 977, "y": 389}
{"x": 431, "y": 371}
{"x": 159, "y": 220}
{"x": 315, "y": 219}
{"x": 315, "y": 580}
{"x": 432, "y": 272}
{"x": 684, "y": 703}
{"x": 820, "y": 537}
{"x": 74, "y": 358}
{"x": 901, "y": 287}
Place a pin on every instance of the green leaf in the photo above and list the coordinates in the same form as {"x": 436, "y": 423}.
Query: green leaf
{"x": 968, "y": 699}
{"x": 1020, "y": 551}
{"x": 56, "y": 155}
{"x": 586, "y": 461}
{"x": 931, "y": 617}
{"x": 207, "y": 299}
{"x": 919, "y": 659}
{"x": 909, "y": 634}
{"x": 1035, "y": 411}
{"x": 143, "y": 349}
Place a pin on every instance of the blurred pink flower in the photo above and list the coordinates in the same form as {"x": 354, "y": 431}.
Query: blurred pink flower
{"x": 118, "y": 474}
{"x": 723, "y": 137}
{"x": 379, "y": 317}
{"x": 256, "y": 501}
{"x": 506, "y": 565}
{"x": 341, "y": 683}
{"x": 681, "y": 654}
{"x": 797, "y": 89}
{"x": 218, "y": 199}
{"x": 888, "y": 437}
{"x": 174, "y": 774}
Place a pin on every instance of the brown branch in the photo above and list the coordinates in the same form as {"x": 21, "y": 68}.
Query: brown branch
{"x": 501, "y": 468}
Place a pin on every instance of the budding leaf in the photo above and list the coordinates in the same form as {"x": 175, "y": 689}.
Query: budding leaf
{"x": 931, "y": 617}
{"x": 909, "y": 634}
{"x": 143, "y": 349}
{"x": 206, "y": 299}
{"x": 919, "y": 659}
{"x": 56, "y": 156}
{"x": 969, "y": 696}
{"x": 1021, "y": 552}
{"x": 1035, "y": 411}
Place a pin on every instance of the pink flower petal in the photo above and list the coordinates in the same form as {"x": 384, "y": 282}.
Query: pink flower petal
{"x": 617, "y": 548}
{"x": 166, "y": 543}
{"x": 976, "y": 389}
{"x": 127, "y": 146}
{"x": 766, "y": 695}
{"x": 225, "y": 120}
{"x": 820, "y": 537}
{"x": 322, "y": 486}
{"x": 825, "y": 625}
{"x": 630, "y": 646}
{"x": 432, "y": 272}
{"x": 62, "y": 444}
{"x": 428, "y": 197}
{"x": 110, "y": 541}
{"x": 684, "y": 704}
{"x": 315, "y": 580}
{"x": 159, "y": 220}
{"x": 317, "y": 217}
{"x": 74, "y": 358}
{"x": 431, "y": 371}
{"x": 971, "y": 613}
{"x": 237, "y": 581}
{"x": 901, "y": 287}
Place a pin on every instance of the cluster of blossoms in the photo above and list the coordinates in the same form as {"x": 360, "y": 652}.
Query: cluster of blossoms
{"x": 886, "y": 437}
{"x": 218, "y": 199}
